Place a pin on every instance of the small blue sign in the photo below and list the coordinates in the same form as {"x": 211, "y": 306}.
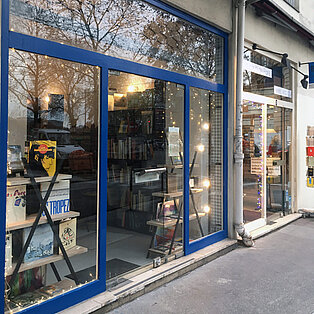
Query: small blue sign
{"x": 311, "y": 74}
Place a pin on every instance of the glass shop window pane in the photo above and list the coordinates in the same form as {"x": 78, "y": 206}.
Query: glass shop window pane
{"x": 52, "y": 133}
{"x": 128, "y": 29}
{"x": 145, "y": 172}
{"x": 278, "y": 85}
{"x": 206, "y": 163}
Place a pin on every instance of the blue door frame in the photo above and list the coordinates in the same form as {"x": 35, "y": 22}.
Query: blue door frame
{"x": 45, "y": 47}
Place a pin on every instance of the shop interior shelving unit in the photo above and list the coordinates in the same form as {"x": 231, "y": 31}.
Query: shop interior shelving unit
{"x": 37, "y": 219}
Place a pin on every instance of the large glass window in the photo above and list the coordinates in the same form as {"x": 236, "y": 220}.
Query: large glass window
{"x": 130, "y": 29}
{"x": 206, "y": 163}
{"x": 145, "y": 172}
{"x": 52, "y": 182}
{"x": 272, "y": 79}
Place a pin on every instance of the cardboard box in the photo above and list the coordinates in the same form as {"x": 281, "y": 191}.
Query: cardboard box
{"x": 41, "y": 245}
{"x": 16, "y": 204}
{"x": 59, "y": 199}
{"x": 67, "y": 234}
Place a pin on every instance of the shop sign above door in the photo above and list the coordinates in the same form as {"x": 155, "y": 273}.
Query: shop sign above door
{"x": 282, "y": 91}
{"x": 258, "y": 69}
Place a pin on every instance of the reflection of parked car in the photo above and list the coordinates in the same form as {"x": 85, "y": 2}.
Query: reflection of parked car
{"x": 63, "y": 139}
{"x": 74, "y": 156}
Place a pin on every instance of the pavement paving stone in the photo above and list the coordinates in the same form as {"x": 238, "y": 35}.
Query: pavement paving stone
{"x": 275, "y": 276}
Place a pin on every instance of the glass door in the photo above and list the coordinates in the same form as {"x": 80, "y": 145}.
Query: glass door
{"x": 253, "y": 161}
{"x": 145, "y": 172}
{"x": 278, "y": 166}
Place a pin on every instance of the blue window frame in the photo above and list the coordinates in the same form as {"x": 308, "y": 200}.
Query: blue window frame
{"x": 45, "y": 47}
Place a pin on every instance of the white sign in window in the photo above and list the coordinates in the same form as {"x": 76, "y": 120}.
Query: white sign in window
{"x": 258, "y": 69}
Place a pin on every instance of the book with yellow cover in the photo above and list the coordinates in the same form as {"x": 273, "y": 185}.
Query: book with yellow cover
{"x": 42, "y": 157}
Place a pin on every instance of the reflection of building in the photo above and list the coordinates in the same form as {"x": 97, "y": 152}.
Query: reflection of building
{"x": 111, "y": 99}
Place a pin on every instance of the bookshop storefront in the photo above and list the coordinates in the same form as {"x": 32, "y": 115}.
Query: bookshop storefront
{"x": 267, "y": 139}
{"x": 113, "y": 130}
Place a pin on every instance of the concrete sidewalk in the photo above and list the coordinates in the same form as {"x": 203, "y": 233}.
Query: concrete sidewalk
{"x": 276, "y": 276}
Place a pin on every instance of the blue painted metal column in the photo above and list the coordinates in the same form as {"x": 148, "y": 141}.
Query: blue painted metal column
{"x": 3, "y": 139}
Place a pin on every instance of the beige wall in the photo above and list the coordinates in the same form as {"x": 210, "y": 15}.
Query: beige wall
{"x": 305, "y": 16}
{"x": 217, "y": 13}
{"x": 277, "y": 38}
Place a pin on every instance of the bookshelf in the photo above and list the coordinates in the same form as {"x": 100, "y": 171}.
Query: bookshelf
{"x": 47, "y": 260}
{"x": 134, "y": 143}
{"x": 43, "y": 220}
{"x": 18, "y": 263}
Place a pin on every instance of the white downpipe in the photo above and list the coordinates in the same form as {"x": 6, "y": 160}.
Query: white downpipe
{"x": 238, "y": 154}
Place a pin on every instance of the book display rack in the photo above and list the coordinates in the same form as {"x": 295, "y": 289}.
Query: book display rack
{"x": 42, "y": 225}
{"x": 168, "y": 216}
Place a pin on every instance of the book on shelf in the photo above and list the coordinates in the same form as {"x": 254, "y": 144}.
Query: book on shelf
{"x": 130, "y": 148}
{"x": 59, "y": 198}
{"x": 67, "y": 233}
{"x": 42, "y": 157}
{"x": 57, "y": 288}
{"x": 16, "y": 204}
{"x": 28, "y": 280}
{"x": 29, "y": 299}
{"x": 41, "y": 244}
{"x": 166, "y": 209}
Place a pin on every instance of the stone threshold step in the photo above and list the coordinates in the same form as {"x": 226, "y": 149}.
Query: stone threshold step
{"x": 151, "y": 279}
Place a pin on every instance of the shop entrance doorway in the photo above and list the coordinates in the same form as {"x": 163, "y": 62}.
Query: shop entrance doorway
{"x": 252, "y": 163}
{"x": 278, "y": 166}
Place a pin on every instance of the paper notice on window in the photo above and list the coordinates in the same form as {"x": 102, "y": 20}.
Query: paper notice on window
{"x": 274, "y": 171}
{"x": 173, "y": 141}
{"x": 256, "y": 165}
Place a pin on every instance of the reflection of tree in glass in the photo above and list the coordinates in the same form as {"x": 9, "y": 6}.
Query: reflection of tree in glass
{"x": 181, "y": 45}
{"x": 28, "y": 79}
{"x": 33, "y": 78}
{"x": 124, "y": 28}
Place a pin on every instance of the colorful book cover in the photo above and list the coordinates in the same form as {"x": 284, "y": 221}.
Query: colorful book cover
{"x": 28, "y": 280}
{"x": 67, "y": 234}
{"x": 16, "y": 204}
{"x": 41, "y": 244}
{"x": 42, "y": 157}
{"x": 166, "y": 209}
{"x": 59, "y": 199}
{"x": 57, "y": 288}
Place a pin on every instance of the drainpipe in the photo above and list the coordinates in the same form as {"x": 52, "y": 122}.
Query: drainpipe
{"x": 238, "y": 154}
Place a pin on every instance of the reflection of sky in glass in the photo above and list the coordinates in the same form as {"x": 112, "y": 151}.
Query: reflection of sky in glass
{"x": 259, "y": 84}
{"x": 129, "y": 29}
